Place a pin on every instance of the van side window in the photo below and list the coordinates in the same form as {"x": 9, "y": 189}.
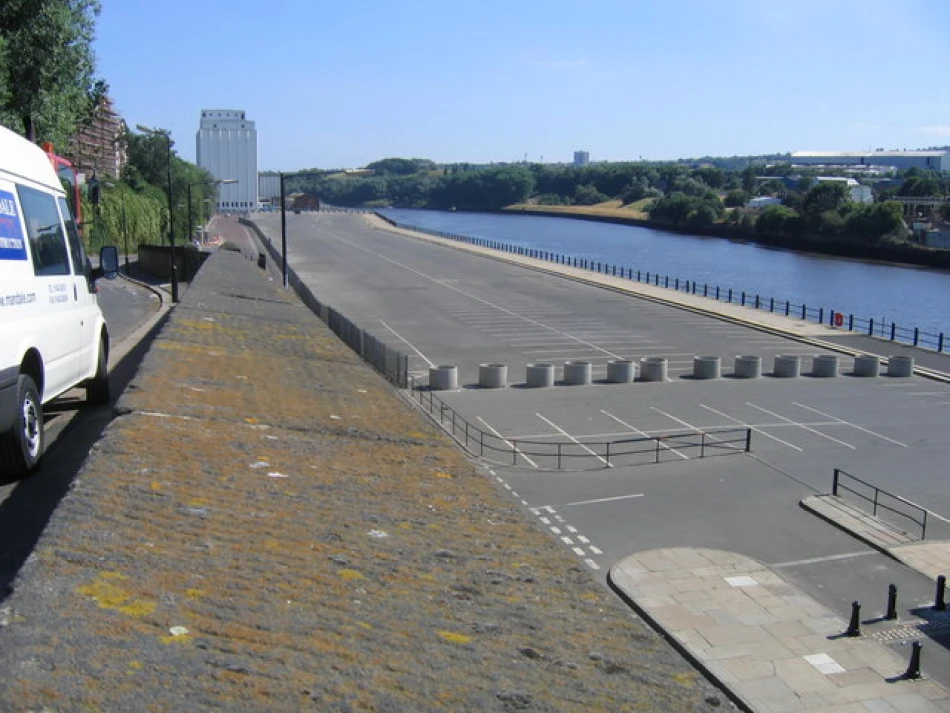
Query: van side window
{"x": 45, "y": 231}
{"x": 72, "y": 236}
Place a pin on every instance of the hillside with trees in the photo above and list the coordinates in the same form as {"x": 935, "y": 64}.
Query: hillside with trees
{"x": 676, "y": 195}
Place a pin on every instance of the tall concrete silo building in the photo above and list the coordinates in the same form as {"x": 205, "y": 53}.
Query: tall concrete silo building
{"x": 227, "y": 148}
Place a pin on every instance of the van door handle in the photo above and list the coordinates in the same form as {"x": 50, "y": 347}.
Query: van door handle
{"x": 75, "y": 293}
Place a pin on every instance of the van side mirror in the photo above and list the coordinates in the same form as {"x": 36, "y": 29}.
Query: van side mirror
{"x": 108, "y": 263}
{"x": 95, "y": 191}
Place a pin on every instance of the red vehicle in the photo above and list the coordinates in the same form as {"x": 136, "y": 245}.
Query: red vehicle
{"x": 70, "y": 180}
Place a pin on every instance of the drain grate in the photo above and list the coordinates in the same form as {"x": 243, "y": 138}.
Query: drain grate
{"x": 913, "y": 629}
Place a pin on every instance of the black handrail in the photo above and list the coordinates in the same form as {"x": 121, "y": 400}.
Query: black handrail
{"x": 875, "y": 499}
{"x": 708, "y": 443}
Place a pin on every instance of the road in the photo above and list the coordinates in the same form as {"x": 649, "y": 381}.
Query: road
{"x": 132, "y": 310}
{"x": 444, "y": 306}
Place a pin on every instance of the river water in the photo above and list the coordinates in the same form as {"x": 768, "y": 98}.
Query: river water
{"x": 910, "y": 296}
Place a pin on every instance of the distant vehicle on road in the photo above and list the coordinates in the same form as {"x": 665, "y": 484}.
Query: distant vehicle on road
{"x": 52, "y": 333}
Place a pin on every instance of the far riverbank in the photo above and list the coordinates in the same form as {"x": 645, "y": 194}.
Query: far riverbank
{"x": 898, "y": 254}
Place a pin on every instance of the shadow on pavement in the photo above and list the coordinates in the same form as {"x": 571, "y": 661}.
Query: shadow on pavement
{"x": 26, "y": 512}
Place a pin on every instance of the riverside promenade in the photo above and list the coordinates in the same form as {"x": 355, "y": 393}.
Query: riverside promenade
{"x": 267, "y": 525}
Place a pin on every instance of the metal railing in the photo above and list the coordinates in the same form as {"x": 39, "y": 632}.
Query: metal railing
{"x": 580, "y": 454}
{"x": 890, "y": 331}
{"x": 394, "y": 366}
{"x": 880, "y": 499}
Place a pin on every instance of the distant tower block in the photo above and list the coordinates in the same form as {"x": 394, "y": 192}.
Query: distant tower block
{"x": 227, "y": 148}
{"x": 581, "y": 158}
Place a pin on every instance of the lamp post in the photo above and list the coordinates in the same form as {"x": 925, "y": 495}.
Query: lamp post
{"x": 171, "y": 211}
{"x": 204, "y": 183}
{"x": 283, "y": 217}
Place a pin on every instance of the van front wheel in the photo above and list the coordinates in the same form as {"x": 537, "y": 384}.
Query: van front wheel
{"x": 22, "y": 446}
{"x": 97, "y": 388}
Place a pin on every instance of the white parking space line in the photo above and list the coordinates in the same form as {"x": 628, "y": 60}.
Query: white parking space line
{"x": 565, "y": 433}
{"x": 926, "y": 393}
{"x": 694, "y": 428}
{"x": 829, "y": 558}
{"x": 754, "y": 428}
{"x": 406, "y": 342}
{"x": 801, "y": 425}
{"x": 602, "y": 500}
{"x": 508, "y": 443}
{"x": 643, "y": 433}
{"x": 852, "y": 425}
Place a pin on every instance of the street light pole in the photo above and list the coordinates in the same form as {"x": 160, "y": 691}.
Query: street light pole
{"x": 283, "y": 215}
{"x": 283, "y": 230}
{"x": 171, "y": 210}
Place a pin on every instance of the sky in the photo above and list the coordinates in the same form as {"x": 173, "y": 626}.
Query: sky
{"x": 341, "y": 84}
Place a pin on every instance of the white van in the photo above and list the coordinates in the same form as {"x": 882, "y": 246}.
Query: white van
{"x": 52, "y": 333}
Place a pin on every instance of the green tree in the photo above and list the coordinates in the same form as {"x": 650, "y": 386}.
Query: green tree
{"x": 825, "y": 196}
{"x": 736, "y": 198}
{"x": 47, "y": 67}
{"x": 401, "y": 166}
{"x": 926, "y": 185}
{"x": 588, "y": 195}
{"x": 779, "y": 220}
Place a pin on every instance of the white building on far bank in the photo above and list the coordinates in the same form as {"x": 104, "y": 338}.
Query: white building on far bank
{"x": 227, "y": 148}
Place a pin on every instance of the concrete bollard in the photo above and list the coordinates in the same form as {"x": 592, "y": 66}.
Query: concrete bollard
{"x": 443, "y": 378}
{"x": 620, "y": 371}
{"x": 748, "y": 367}
{"x": 492, "y": 376}
{"x": 706, "y": 367}
{"x": 900, "y": 366}
{"x": 653, "y": 369}
{"x": 577, "y": 373}
{"x": 824, "y": 365}
{"x": 867, "y": 365}
{"x": 787, "y": 366}
{"x": 540, "y": 375}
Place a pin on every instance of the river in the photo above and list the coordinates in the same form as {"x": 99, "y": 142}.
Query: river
{"x": 910, "y": 296}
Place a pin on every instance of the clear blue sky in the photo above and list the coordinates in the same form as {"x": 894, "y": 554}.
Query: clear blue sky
{"x": 342, "y": 83}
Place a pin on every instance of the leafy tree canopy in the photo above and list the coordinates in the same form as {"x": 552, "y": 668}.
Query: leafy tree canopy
{"x": 47, "y": 67}
{"x": 401, "y": 166}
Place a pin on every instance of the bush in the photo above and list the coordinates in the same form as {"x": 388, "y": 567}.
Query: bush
{"x": 588, "y": 195}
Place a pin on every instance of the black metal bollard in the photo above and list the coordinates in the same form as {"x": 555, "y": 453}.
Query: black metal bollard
{"x": 891, "y": 602}
{"x": 854, "y": 628}
{"x": 913, "y": 668}
{"x": 940, "y": 603}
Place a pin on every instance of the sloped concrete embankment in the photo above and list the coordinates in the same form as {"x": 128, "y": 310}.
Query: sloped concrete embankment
{"x": 267, "y": 526}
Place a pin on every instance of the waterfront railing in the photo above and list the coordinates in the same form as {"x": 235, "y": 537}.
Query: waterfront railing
{"x": 839, "y": 320}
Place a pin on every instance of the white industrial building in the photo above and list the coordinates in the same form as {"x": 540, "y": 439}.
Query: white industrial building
{"x": 933, "y": 160}
{"x": 268, "y": 188}
{"x": 227, "y": 149}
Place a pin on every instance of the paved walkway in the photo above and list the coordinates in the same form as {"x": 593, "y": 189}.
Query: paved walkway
{"x": 772, "y": 646}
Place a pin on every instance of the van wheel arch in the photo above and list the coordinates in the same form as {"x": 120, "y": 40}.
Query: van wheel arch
{"x": 98, "y": 392}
